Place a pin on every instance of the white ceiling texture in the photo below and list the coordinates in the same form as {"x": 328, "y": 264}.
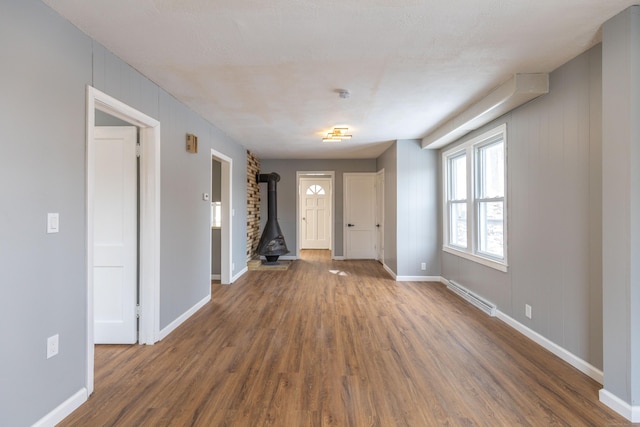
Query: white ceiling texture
{"x": 267, "y": 72}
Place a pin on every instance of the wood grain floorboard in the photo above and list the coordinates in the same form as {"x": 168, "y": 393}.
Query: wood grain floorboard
{"x": 338, "y": 343}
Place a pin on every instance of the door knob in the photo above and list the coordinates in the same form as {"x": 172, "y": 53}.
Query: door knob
{"x": 350, "y": 225}
{"x": 378, "y": 225}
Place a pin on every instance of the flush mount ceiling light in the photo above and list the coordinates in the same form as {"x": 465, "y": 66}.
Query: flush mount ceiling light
{"x": 337, "y": 135}
{"x": 343, "y": 93}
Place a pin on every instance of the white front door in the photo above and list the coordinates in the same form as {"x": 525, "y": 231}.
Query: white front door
{"x": 315, "y": 213}
{"x": 114, "y": 173}
{"x": 359, "y": 215}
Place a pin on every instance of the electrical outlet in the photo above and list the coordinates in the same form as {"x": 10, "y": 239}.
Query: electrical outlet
{"x": 52, "y": 346}
{"x": 527, "y": 310}
{"x": 423, "y": 266}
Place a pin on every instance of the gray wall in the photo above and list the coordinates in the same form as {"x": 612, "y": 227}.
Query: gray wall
{"x": 45, "y": 70}
{"x": 287, "y": 193}
{"x": 621, "y": 205}
{"x": 418, "y": 210}
{"x": 412, "y": 209}
{"x": 42, "y": 276}
{"x": 554, "y": 214}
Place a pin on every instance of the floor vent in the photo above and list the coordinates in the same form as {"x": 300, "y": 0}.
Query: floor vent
{"x": 483, "y": 305}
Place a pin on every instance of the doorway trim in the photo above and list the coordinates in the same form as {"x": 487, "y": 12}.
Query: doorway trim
{"x": 226, "y": 241}
{"x": 316, "y": 174}
{"x": 380, "y": 215}
{"x": 149, "y": 268}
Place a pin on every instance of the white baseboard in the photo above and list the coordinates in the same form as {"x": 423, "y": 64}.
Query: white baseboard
{"x": 337, "y": 258}
{"x": 419, "y": 279}
{"x": 63, "y": 410}
{"x": 632, "y": 413}
{"x": 388, "y": 270}
{"x": 180, "y": 320}
{"x": 239, "y": 274}
{"x": 562, "y": 353}
{"x": 215, "y": 277}
{"x": 412, "y": 278}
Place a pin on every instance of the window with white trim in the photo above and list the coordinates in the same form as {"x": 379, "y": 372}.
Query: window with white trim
{"x": 216, "y": 214}
{"x": 475, "y": 202}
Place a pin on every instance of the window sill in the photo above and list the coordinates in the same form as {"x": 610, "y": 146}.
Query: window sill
{"x": 475, "y": 258}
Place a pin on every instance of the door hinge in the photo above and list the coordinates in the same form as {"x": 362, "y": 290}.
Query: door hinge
{"x": 138, "y": 309}
{"x": 138, "y": 150}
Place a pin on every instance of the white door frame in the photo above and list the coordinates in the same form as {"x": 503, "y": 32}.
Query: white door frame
{"x": 149, "y": 322}
{"x": 329, "y": 195}
{"x": 226, "y": 173}
{"x": 316, "y": 174}
{"x": 380, "y": 210}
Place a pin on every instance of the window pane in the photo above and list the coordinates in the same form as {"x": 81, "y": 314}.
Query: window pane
{"x": 491, "y": 228}
{"x": 491, "y": 171}
{"x": 458, "y": 177}
{"x": 315, "y": 189}
{"x": 458, "y": 224}
{"x": 216, "y": 214}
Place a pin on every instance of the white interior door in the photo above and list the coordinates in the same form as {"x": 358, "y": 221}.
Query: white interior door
{"x": 115, "y": 235}
{"x": 380, "y": 216}
{"x": 359, "y": 215}
{"x": 315, "y": 213}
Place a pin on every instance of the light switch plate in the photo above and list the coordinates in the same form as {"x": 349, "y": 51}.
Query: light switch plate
{"x": 53, "y": 223}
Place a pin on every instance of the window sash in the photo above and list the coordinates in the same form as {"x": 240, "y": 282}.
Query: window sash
{"x": 458, "y": 224}
{"x": 490, "y": 220}
{"x": 479, "y": 230}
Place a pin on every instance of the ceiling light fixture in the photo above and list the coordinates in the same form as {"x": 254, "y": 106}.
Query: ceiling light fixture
{"x": 344, "y": 93}
{"x": 337, "y": 135}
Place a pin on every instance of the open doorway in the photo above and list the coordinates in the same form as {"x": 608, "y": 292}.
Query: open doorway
{"x": 149, "y": 218}
{"x": 225, "y": 165}
{"x": 216, "y": 219}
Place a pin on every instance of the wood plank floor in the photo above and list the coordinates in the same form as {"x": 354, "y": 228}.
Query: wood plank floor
{"x": 338, "y": 343}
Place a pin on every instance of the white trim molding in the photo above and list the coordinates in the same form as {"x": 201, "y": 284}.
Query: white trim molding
{"x": 389, "y": 270}
{"x": 215, "y": 277}
{"x": 226, "y": 229}
{"x": 436, "y": 279}
{"x": 630, "y": 412}
{"x": 238, "y": 275}
{"x": 337, "y": 258}
{"x": 581, "y": 365}
{"x": 397, "y": 278}
{"x": 63, "y": 410}
{"x": 149, "y": 322}
{"x": 186, "y": 315}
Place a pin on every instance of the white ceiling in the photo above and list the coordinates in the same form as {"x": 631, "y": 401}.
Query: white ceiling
{"x": 266, "y": 71}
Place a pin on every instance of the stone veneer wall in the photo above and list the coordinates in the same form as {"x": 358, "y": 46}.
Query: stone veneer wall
{"x": 253, "y": 204}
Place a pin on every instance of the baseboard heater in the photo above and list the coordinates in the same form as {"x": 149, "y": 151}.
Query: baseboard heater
{"x": 486, "y": 306}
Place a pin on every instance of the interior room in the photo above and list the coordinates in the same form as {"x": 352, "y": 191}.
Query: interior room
{"x": 455, "y": 188}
